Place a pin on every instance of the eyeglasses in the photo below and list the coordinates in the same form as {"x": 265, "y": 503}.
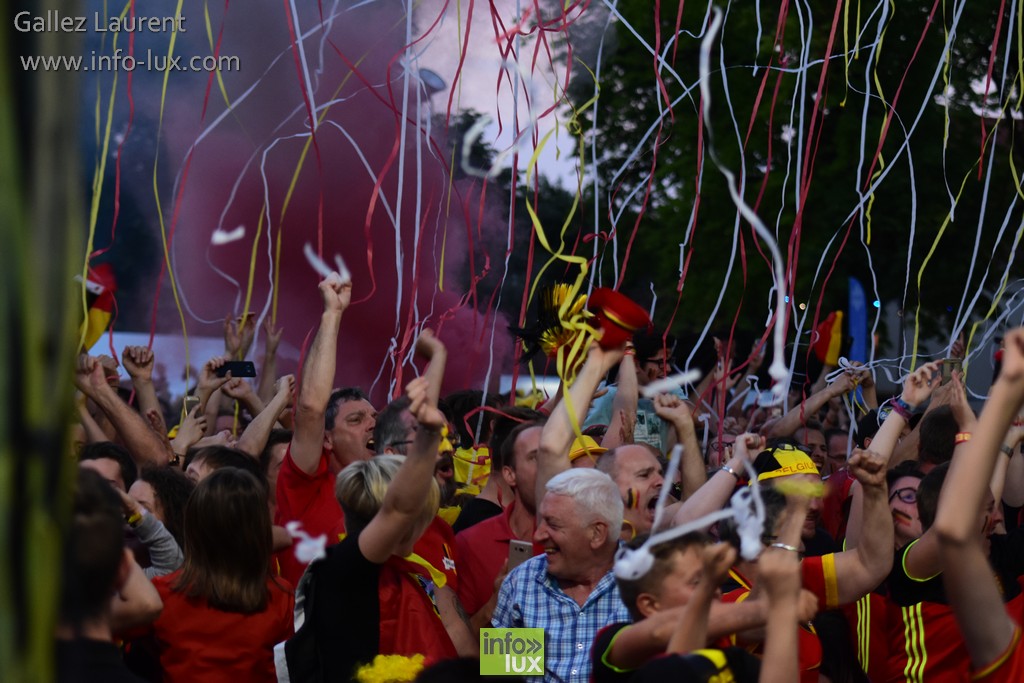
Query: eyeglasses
{"x": 908, "y": 496}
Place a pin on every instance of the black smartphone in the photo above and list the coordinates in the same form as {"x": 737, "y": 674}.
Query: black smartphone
{"x": 238, "y": 368}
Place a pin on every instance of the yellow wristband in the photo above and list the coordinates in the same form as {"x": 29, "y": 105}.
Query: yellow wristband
{"x": 134, "y": 519}
{"x": 962, "y": 437}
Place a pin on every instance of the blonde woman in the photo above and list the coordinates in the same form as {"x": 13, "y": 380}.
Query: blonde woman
{"x": 366, "y": 597}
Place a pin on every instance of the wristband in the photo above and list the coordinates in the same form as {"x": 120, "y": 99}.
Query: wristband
{"x": 962, "y": 437}
{"x": 1007, "y": 449}
{"x": 902, "y": 408}
{"x": 726, "y": 468}
{"x": 785, "y": 546}
{"x": 134, "y": 519}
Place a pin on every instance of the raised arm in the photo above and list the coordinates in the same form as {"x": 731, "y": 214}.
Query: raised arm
{"x": 557, "y": 434}
{"x": 431, "y": 348}
{"x": 797, "y": 415}
{"x": 717, "y": 490}
{"x": 403, "y": 502}
{"x": 1013, "y": 484}
{"x": 143, "y": 444}
{"x": 317, "y": 378}
{"x": 860, "y": 570}
{"x": 138, "y": 363}
{"x": 238, "y": 336}
{"x": 779, "y": 577}
{"x": 624, "y": 403}
{"x": 987, "y": 629}
{"x": 254, "y": 438}
{"x": 676, "y": 412}
{"x": 268, "y": 368}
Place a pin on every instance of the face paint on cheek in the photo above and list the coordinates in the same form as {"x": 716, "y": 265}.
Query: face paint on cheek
{"x": 632, "y": 499}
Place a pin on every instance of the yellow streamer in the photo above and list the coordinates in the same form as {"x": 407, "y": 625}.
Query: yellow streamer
{"x": 97, "y": 181}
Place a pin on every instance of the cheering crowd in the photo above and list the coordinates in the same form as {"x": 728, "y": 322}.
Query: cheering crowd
{"x": 291, "y": 530}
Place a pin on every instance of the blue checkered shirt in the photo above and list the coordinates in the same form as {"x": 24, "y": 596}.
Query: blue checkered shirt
{"x": 531, "y": 598}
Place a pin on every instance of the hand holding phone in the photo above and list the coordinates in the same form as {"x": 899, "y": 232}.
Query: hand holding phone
{"x": 949, "y": 366}
{"x": 518, "y": 552}
{"x": 237, "y": 368}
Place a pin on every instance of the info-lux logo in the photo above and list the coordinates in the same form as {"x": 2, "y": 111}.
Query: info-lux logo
{"x": 511, "y": 651}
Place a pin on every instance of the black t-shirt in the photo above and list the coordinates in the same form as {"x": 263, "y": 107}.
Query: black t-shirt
{"x": 601, "y": 672}
{"x": 91, "y": 661}
{"x": 474, "y": 512}
{"x": 343, "y": 610}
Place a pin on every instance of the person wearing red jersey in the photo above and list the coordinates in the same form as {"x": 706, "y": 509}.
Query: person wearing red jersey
{"x": 332, "y": 429}
{"x": 991, "y": 636}
{"x": 835, "y": 578}
{"x": 223, "y": 612}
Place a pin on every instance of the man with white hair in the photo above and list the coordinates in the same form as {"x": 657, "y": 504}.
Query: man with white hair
{"x": 570, "y": 590}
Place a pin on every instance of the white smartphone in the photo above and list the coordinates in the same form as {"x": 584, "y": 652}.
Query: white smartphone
{"x": 518, "y": 552}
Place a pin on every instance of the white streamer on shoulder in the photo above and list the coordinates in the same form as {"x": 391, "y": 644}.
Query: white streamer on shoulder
{"x": 746, "y": 507}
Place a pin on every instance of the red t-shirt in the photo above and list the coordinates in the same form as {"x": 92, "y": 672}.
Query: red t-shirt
{"x": 819, "y": 577}
{"x": 868, "y": 619}
{"x": 835, "y": 508}
{"x": 1009, "y": 668}
{"x": 434, "y": 551}
{"x": 482, "y": 550}
{"x": 196, "y": 642}
{"x": 309, "y": 499}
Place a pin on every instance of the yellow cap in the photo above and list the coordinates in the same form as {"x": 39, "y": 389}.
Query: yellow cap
{"x": 585, "y": 445}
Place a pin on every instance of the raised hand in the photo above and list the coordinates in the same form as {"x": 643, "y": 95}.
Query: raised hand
{"x": 424, "y": 410}
{"x": 958, "y": 349}
{"x": 962, "y": 411}
{"x": 238, "y": 335}
{"x": 190, "y": 431}
{"x": 90, "y": 376}
{"x": 209, "y": 382}
{"x": 428, "y": 345}
{"x": 843, "y": 384}
{"x": 747, "y": 446}
{"x": 239, "y": 389}
{"x": 1013, "y": 357}
{"x": 868, "y": 467}
{"x": 671, "y": 408}
{"x": 920, "y": 384}
{"x": 778, "y": 574}
{"x": 336, "y": 296}
{"x": 138, "y": 361}
{"x": 285, "y": 385}
{"x": 273, "y": 333}
{"x": 717, "y": 560}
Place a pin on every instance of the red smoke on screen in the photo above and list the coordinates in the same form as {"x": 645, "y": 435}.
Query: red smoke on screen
{"x": 345, "y": 188}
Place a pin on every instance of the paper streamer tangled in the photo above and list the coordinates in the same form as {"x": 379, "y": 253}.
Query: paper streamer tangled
{"x": 426, "y": 142}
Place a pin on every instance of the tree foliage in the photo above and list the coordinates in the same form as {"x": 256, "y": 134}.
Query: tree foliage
{"x": 806, "y": 164}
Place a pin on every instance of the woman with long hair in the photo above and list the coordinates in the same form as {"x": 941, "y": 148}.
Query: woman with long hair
{"x": 223, "y": 611}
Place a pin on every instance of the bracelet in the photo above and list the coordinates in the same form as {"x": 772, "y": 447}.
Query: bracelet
{"x": 902, "y": 408}
{"x": 962, "y": 437}
{"x": 134, "y": 519}
{"x": 1007, "y": 449}
{"x": 629, "y": 352}
{"x": 726, "y": 468}
{"x": 785, "y": 546}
